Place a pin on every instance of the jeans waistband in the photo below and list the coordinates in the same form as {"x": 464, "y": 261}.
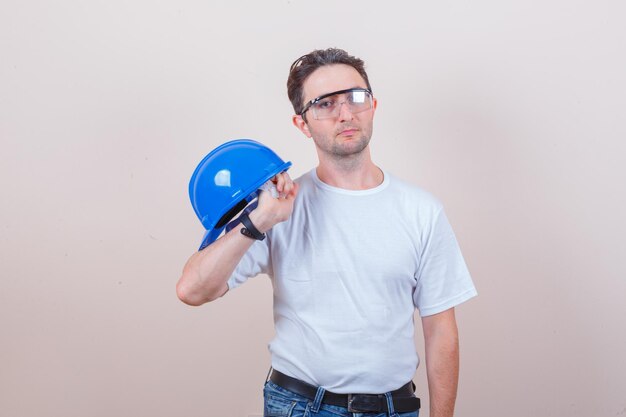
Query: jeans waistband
{"x": 403, "y": 398}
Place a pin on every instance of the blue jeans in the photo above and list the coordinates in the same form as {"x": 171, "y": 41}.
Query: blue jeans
{"x": 280, "y": 402}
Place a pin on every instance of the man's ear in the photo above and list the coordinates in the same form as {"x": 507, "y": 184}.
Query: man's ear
{"x": 298, "y": 121}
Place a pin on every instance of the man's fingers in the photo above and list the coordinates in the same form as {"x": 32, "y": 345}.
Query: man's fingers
{"x": 294, "y": 191}
{"x": 280, "y": 181}
{"x": 287, "y": 187}
{"x": 284, "y": 184}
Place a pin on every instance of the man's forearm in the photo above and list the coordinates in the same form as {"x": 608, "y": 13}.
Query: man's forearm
{"x": 442, "y": 362}
{"x": 206, "y": 272}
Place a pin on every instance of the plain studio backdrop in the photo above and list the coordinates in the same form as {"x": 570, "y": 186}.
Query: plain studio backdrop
{"x": 510, "y": 112}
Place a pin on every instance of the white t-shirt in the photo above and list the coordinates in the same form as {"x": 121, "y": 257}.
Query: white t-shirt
{"x": 348, "y": 270}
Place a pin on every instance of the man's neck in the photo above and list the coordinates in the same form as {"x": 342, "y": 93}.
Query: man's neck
{"x": 350, "y": 173}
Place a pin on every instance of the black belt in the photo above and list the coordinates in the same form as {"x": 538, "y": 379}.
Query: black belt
{"x": 403, "y": 398}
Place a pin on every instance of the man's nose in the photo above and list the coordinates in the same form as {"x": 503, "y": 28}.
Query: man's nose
{"x": 344, "y": 111}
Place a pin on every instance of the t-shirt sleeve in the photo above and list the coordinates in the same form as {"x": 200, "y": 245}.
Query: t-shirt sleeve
{"x": 254, "y": 262}
{"x": 443, "y": 280}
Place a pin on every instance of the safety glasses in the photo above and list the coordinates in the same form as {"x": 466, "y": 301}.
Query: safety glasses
{"x": 328, "y": 106}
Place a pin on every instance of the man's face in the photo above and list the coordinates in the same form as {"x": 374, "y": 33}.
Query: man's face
{"x": 348, "y": 133}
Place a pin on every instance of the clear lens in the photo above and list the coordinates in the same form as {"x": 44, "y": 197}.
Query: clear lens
{"x": 329, "y": 107}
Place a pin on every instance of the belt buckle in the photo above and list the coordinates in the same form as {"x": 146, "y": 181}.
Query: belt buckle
{"x": 364, "y": 403}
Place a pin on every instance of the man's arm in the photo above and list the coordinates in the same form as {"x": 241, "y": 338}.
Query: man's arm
{"x": 442, "y": 361}
{"x": 206, "y": 272}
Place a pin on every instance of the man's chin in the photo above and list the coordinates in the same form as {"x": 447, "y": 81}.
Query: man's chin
{"x": 352, "y": 145}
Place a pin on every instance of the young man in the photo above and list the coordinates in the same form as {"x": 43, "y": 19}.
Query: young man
{"x": 352, "y": 251}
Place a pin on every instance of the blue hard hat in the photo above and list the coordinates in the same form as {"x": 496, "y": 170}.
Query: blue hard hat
{"x": 227, "y": 180}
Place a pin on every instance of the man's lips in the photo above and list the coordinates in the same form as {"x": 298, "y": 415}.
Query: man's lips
{"x": 348, "y": 132}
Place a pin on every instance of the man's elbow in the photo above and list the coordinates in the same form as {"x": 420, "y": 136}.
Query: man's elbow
{"x": 187, "y": 297}
{"x": 195, "y": 298}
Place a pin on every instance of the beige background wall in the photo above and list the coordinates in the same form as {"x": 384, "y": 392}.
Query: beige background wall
{"x": 511, "y": 112}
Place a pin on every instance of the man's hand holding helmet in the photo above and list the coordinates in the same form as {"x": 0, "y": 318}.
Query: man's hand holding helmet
{"x": 272, "y": 210}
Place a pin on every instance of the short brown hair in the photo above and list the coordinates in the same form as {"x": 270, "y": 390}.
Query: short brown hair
{"x": 306, "y": 64}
